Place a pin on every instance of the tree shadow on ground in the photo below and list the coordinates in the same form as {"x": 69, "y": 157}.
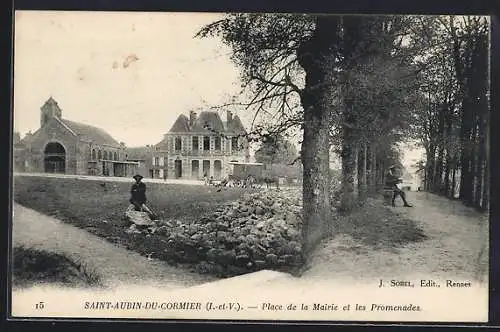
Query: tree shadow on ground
{"x": 378, "y": 227}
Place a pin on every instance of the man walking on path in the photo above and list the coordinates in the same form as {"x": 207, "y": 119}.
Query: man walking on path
{"x": 138, "y": 196}
{"x": 392, "y": 181}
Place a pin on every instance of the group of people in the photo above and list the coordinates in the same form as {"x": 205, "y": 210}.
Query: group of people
{"x": 138, "y": 191}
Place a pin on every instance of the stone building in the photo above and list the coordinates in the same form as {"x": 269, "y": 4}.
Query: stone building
{"x": 64, "y": 146}
{"x": 200, "y": 145}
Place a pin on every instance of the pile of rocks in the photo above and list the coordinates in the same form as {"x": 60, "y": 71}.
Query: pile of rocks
{"x": 260, "y": 231}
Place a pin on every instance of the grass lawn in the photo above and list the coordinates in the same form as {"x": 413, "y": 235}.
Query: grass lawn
{"x": 88, "y": 205}
{"x": 84, "y": 202}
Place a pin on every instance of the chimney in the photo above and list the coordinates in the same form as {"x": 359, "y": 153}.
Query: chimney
{"x": 229, "y": 117}
{"x": 192, "y": 118}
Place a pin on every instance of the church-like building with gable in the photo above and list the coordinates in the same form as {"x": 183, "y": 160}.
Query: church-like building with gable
{"x": 68, "y": 147}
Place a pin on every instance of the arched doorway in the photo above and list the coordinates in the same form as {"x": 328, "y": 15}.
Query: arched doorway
{"x": 54, "y": 158}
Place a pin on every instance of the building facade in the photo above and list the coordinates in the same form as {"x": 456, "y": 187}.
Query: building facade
{"x": 200, "y": 145}
{"x": 68, "y": 147}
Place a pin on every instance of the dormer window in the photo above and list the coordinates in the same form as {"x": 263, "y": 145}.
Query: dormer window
{"x": 217, "y": 143}
{"x": 196, "y": 144}
{"x": 206, "y": 143}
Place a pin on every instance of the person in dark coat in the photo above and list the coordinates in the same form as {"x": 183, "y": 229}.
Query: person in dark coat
{"x": 138, "y": 196}
{"x": 392, "y": 180}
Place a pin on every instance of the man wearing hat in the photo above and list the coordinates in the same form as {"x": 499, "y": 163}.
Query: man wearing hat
{"x": 392, "y": 180}
{"x": 138, "y": 196}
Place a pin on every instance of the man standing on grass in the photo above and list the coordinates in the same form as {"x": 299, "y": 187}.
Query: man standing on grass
{"x": 138, "y": 196}
{"x": 392, "y": 181}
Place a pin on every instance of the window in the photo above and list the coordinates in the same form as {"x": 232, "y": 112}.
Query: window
{"x": 217, "y": 143}
{"x": 178, "y": 144}
{"x": 93, "y": 154}
{"x": 196, "y": 144}
{"x": 157, "y": 161}
{"x": 206, "y": 143}
{"x": 234, "y": 144}
{"x": 105, "y": 157}
{"x": 115, "y": 156}
{"x": 99, "y": 155}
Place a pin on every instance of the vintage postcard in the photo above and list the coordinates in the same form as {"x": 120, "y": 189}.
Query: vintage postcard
{"x": 284, "y": 167}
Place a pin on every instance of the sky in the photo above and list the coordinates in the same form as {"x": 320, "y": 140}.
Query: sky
{"x": 131, "y": 74}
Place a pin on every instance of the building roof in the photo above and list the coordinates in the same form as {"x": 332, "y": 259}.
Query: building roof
{"x": 208, "y": 121}
{"x": 181, "y": 125}
{"x": 138, "y": 153}
{"x": 94, "y": 134}
{"x": 235, "y": 126}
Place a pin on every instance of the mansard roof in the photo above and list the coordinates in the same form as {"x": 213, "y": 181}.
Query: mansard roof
{"x": 208, "y": 121}
{"x": 235, "y": 126}
{"x": 181, "y": 125}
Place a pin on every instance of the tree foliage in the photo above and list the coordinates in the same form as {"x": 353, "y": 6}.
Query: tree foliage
{"x": 363, "y": 84}
{"x": 276, "y": 150}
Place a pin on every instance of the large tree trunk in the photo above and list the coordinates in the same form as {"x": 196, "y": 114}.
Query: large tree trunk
{"x": 349, "y": 192}
{"x": 314, "y": 56}
{"x": 373, "y": 170}
{"x": 431, "y": 168}
{"x": 467, "y": 122}
{"x": 453, "y": 180}
{"x": 362, "y": 170}
{"x": 477, "y": 169}
{"x": 438, "y": 179}
{"x": 480, "y": 87}
{"x": 486, "y": 178}
{"x": 447, "y": 168}
{"x": 449, "y": 151}
{"x": 368, "y": 169}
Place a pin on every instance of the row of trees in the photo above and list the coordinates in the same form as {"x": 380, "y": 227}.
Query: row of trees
{"x": 351, "y": 84}
{"x": 453, "y": 126}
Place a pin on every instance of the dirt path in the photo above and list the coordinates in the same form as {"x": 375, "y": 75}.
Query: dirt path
{"x": 456, "y": 247}
{"x": 115, "y": 265}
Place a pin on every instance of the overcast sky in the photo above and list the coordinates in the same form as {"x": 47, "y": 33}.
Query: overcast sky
{"x": 131, "y": 74}
{"x": 78, "y": 58}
